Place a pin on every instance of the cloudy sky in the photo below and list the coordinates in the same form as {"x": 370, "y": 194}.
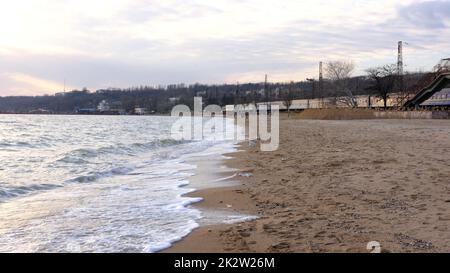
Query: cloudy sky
{"x": 121, "y": 43}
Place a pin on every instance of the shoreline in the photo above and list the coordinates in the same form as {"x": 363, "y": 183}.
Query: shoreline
{"x": 227, "y": 198}
{"x": 335, "y": 186}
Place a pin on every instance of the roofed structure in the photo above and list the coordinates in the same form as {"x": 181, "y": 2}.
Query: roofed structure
{"x": 440, "y": 84}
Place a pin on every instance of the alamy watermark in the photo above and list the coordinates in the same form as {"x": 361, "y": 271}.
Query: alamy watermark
{"x": 374, "y": 247}
{"x": 235, "y": 123}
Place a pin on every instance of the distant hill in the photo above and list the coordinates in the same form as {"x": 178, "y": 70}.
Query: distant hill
{"x": 161, "y": 100}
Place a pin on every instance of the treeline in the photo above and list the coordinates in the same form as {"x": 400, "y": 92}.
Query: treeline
{"x": 153, "y": 99}
{"x": 162, "y": 99}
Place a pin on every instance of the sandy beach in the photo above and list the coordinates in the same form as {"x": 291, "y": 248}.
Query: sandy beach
{"x": 335, "y": 186}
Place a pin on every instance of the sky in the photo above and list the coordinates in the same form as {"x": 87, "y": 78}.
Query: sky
{"x": 123, "y": 43}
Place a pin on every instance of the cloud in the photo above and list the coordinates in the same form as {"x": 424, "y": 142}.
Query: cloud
{"x": 24, "y": 85}
{"x": 118, "y": 43}
{"x": 429, "y": 15}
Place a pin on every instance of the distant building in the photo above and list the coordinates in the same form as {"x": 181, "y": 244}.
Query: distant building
{"x": 440, "y": 98}
{"x": 86, "y": 111}
{"x": 174, "y": 100}
{"x": 436, "y": 94}
{"x": 110, "y": 108}
{"x": 116, "y": 108}
{"x": 40, "y": 111}
{"x": 140, "y": 111}
{"x": 103, "y": 106}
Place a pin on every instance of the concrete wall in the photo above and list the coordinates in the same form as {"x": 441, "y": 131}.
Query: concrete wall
{"x": 413, "y": 115}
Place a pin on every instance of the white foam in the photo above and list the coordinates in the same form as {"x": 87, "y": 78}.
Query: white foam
{"x": 157, "y": 247}
{"x": 236, "y": 219}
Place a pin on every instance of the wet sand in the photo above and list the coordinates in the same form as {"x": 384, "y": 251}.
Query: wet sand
{"x": 334, "y": 186}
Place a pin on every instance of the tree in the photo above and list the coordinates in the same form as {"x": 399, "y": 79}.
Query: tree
{"x": 384, "y": 79}
{"x": 288, "y": 97}
{"x": 339, "y": 73}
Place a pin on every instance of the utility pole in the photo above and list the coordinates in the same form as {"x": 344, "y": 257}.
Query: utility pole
{"x": 400, "y": 66}
{"x": 400, "y": 58}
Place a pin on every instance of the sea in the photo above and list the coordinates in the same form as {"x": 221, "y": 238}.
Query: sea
{"x": 96, "y": 184}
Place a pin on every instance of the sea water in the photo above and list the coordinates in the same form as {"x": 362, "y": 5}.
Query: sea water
{"x": 95, "y": 183}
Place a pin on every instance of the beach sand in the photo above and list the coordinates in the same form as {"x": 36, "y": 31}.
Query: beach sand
{"x": 335, "y": 186}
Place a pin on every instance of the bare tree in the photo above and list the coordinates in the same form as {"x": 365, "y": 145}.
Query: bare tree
{"x": 339, "y": 73}
{"x": 384, "y": 80}
{"x": 288, "y": 97}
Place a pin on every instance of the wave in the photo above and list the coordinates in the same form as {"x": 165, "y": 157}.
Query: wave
{"x": 40, "y": 143}
{"x": 22, "y": 191}
{"x": 16, "y": 144}
{"x": 92, "y": 177}
{"x": 82, "y": 155}
{"x": 13, "y": 192}
{"x": 80, "y": 158}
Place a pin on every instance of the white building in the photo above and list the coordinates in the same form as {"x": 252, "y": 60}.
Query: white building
{"x": 103, "y": 106}
{"x": 140, "y": 111}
